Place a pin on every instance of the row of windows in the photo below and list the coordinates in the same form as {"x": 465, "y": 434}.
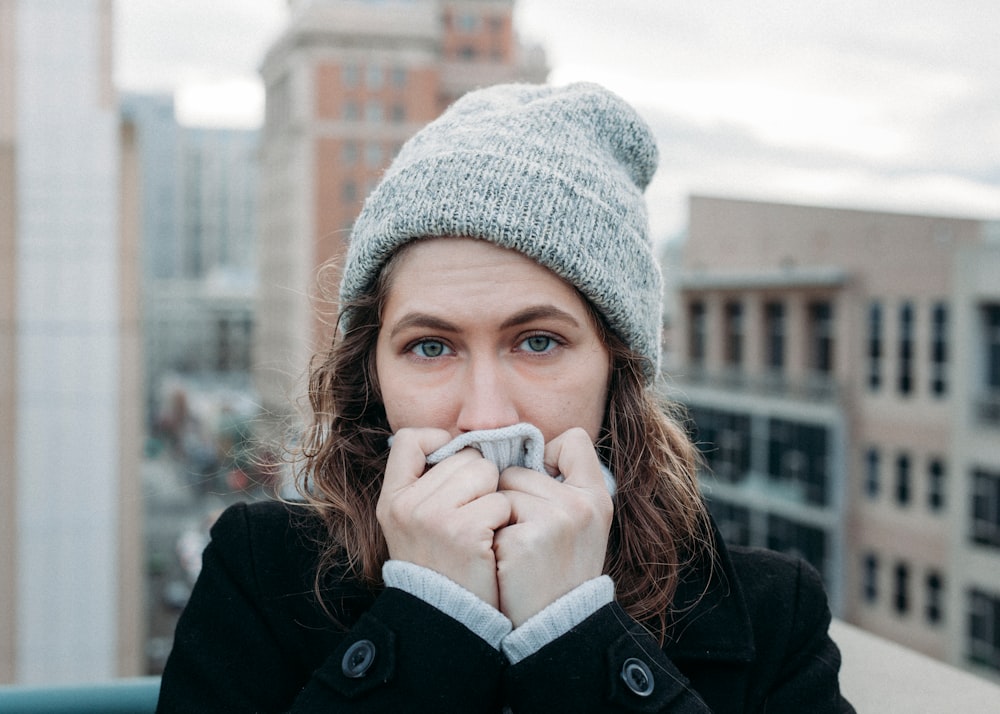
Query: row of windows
{"x": 469, "y": 53}
{"x": 374, "y": 112}
{"x": 796, "y": 455}
{"x": 906, "y": 349}
{"x": 984, "y": 526}
{"x": 819, "y": 329}
{"x": 375, "y": 76}
{"x": 901, "y": 594}
{"x": 376, "y": 154}
{"x": 740, "y": 525}
{"x": 821, "y": 343}
{"x": 935, "y": 473}
{"x": 467, "y": 22}
{"x": 983, "y": 635}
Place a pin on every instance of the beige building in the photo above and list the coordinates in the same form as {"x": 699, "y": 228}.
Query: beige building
{"x": 70, "y": 421}
{"x": 347, "y": 83}
{"x": 843, "y": 369}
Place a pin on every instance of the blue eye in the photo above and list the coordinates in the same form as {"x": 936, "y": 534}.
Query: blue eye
{"x": 538, "y": 343}
{"x": 429, "y": 349}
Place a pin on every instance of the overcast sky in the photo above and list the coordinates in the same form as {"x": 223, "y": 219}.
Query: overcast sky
{"x": 884, "y": 105}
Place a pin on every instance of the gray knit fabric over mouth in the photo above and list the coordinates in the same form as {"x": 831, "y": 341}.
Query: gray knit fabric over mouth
{"x": 515, "y": 445}
{"x": 555, "y": 173}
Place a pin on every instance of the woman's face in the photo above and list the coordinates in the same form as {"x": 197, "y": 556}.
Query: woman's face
{"x": 474, "y": 336}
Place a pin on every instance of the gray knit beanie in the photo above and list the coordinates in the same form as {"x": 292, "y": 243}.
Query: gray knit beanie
{"x": 555, "y": 173}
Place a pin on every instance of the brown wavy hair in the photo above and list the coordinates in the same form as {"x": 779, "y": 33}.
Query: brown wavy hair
{"x": 660, "y": 521}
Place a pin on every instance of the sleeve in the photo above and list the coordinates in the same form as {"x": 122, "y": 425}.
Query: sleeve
{"x": 238, "y": 648}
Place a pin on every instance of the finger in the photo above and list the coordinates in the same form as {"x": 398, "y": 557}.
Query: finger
{"x": 492, "y": 511}
{"x": 572, "y": 455}
{"x": 408, "y": 455}
{"x": 462, "y": 478}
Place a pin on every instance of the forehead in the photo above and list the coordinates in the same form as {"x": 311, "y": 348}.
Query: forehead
{"x": 456, "y": 270}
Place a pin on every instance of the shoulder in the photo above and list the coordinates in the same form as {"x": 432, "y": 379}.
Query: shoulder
{"x": 267, "y": 521}
{"x": 272, "y": 540}
{"x": 784, "y": 596}
{"x": 767, "y": 575}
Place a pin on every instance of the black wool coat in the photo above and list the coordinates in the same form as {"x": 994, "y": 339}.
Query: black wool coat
{"x": 253, "y": 638}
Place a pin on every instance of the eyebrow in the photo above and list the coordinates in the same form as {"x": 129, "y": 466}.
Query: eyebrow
{"x": 539, "y": 312}
{"x": 530, "y": 314}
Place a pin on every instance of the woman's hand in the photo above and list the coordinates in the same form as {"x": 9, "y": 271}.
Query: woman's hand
{"x": 557, "y": 534}
{"x": 444, "y": 519}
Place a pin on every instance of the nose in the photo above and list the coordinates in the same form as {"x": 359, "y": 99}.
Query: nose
{"x": 486, "y": 399}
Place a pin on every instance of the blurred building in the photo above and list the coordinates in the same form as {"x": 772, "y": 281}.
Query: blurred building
{"x": 347, "y": 83}
{"x": 198, "y": 189}
{"x": 70, "y": 424}
{"x": 843, "y": 372}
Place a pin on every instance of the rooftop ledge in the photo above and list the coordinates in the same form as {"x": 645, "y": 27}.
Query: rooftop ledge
{"x": 788, "y": 277}
{"x": 876, "y": 676}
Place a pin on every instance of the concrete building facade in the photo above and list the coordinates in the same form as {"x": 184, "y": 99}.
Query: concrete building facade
{"x": 346, "y": 84}
{"x": 198, "y": 190}
{"x": 825, "y": 357}
{"x": 70, "y": 435}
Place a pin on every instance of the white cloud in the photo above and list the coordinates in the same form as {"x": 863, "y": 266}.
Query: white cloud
{"x": 832, "y": 102}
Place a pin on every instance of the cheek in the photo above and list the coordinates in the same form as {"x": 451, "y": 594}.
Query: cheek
{"x": 407, "y": 405}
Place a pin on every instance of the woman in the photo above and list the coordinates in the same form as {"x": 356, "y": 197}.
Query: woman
{"x": 499, "y": 514}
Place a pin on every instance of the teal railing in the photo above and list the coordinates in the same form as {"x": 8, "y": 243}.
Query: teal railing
{"x": 122, "y": 696}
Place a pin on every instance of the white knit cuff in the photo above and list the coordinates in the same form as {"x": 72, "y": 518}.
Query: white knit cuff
{"x": 449, "y": 597}
{"x": 558, "y": 618}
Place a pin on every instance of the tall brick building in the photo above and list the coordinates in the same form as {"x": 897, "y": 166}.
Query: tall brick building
{"x": 347, "y": 83}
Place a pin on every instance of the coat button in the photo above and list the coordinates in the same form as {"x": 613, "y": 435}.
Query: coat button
{"x": 358, "y": 659}
{"x": 637, "y": 677}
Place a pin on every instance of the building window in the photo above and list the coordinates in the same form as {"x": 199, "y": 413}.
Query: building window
{"x": 869, "y": 586}
{"x": 774, "y": 328}
{"x": 986, "y": 508}
{"x": 797, "y": 458}
{"x": 734, "y": 334}
{"x": 349, "y": 192}
{"x": 696, "y": 333}
{"x": 373, "y": 155}
{"x": 374, "y": 77}
{"x": 467, "y": 53}
{"x": 349, "y": 154}
{"x": 399, "y": 77}
{"x": 905, "y": 377}
{"x": 872, "y": 480}
{"x": 939, "y": 349}
{"x": 903, "y": 479}
{"x": 733, "y": 521}
{"x": 373, "y": 112}
{"x": 901, "y": 588}
{"x": 989, "y": 402}
{"x": 936, "y": 484}
{"x": 724, "y": 440}
{"x": 874, "y": 346}
{"x": 935, "y": 592}
{"x": 821, "y": 337}
{"x": 350, "y": 75}
{"x": 397, "y": 113}
{"x": 808, "y": 542}
{"x": 984, "y": 628}
{"x": 351, "y": 111}
{"x": 467, "y": 22}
